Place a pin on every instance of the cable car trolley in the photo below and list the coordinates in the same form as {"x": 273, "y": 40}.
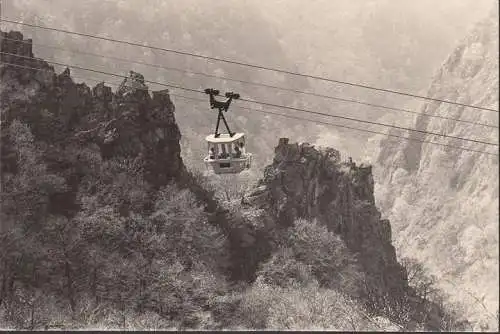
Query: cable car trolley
{"x": 226, "y": 152}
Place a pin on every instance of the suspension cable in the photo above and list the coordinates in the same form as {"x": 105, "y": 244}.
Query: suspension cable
{"x": 185, "y": 53}
{"x": 282, "y": 115}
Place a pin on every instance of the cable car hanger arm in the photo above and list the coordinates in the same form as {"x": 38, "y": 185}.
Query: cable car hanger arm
{"x": 221, "y": 106}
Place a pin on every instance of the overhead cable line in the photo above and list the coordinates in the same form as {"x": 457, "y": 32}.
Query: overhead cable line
{"x": 282, "y": 115}
{"x": 266, "y": 103}
{"x": 340, "y": 126}
{"x": 169, "y": 68}
{"x": 185, "y": 53}
{"x": 366, "y": 121}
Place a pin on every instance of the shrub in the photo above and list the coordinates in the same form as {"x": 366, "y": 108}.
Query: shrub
{"x": 282, "y": 269}
{"x": 298, "y": 307}
{"x": 329, "y": 260}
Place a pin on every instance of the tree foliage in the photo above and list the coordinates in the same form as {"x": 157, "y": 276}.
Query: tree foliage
{"x": 118, "y": 257}
{"x": 297, "y": 306}
{"x": 329, "y": 260}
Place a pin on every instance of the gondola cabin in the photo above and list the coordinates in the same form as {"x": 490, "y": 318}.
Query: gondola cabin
{"x": 226, "y": 154}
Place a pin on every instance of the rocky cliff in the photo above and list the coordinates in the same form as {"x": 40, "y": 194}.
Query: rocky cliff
{"x": 443, "y": 202}
{"x": 129, "y": 124}
{"x": 310, "y": 183}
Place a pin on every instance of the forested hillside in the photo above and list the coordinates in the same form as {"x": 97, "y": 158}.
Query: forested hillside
{"x": 103, "y": 226}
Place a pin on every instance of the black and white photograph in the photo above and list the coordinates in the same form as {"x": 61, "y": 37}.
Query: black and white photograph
{"x": 249, "y": 165}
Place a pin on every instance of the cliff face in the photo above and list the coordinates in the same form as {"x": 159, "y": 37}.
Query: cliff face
{"x": 129, "y": 124}
{"x": 305, "y": 182}
{"x": 443, "y": 202}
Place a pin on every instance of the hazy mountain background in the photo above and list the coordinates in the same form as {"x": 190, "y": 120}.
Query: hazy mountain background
{"x": 398, "y": 45}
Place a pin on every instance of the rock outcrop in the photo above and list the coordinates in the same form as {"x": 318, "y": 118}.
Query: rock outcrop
{"x": 305, "y": 182}
{"x": 130, "y": 123}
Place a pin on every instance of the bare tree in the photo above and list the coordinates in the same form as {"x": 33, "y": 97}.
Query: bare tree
{"x": 418, "y": 278}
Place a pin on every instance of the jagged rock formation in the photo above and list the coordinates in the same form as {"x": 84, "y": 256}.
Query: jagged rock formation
{"x": 131, "y": 123}
{"x": 443, "y": 202}
{"x": 312, "y": 183}
{"x": 139, "y": 130}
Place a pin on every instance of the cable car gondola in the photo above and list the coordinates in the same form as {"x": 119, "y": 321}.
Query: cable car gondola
{"x": 226, "y": 152}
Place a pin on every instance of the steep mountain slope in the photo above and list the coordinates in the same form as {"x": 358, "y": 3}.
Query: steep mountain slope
{"x": 305, "y": 183}
{"x": 342, "y": 39}
{"x": 103, "y": 226}
{"x": 443, "y": 202}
